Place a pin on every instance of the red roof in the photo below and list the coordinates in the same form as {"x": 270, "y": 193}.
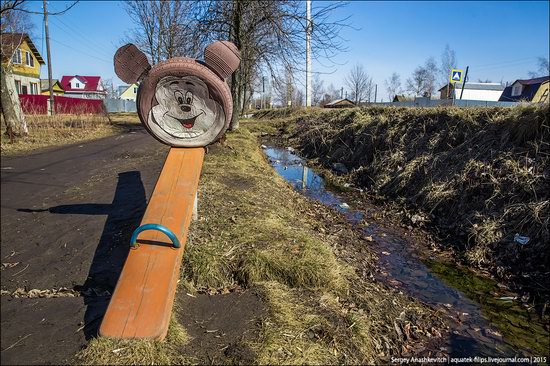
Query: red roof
{"x": 90, "y": 83}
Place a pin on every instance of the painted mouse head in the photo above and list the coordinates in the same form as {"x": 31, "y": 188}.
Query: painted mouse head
{"x": 182, "y": 102}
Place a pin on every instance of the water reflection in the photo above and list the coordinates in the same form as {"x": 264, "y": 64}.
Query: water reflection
{"x": 400, "y": 266}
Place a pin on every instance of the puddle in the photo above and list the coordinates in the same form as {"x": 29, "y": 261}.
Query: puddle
{"x": 471, "y": 333}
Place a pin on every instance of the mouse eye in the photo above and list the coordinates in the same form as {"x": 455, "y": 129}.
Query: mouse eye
{"x": 179, "y": 97}
{"x": 188, "y": 98}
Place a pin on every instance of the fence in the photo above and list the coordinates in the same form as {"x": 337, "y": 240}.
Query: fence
{"x": 425, "y": 102}
{"x": 119, "y": 105}
{"x": 39, "y": 104}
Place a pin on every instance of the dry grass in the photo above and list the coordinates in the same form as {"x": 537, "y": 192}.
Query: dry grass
{"x": 109, "y": 351}
{"x": 480, "y": 174}
{"x": 45, "y": 131}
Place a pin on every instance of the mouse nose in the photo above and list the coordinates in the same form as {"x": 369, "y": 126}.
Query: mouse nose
{"x": 185, "y": 108}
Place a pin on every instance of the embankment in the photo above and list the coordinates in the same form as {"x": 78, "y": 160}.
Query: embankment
{"x": 480, "y": 176}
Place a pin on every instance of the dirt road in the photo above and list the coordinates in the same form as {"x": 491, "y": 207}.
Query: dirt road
{"x": 66, "y": 218}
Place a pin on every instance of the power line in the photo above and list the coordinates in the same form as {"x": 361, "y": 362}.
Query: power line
{"x": 71, "y": 27}
{"x": 72, "y": 34}
{"x": 80, "y": 51}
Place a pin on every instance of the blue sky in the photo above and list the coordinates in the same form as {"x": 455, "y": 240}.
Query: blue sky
{"x": 498, "y": 40}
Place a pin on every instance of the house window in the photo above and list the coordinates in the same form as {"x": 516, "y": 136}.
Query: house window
{"x": 77, "y": 85}
{"x": 516, "y": 90}
{"x": 34, "y": 88}
{"x": 16, "y": 58}
{"x": 18, "y": 86}
{"x": 29, "y": 60}
{"x": 135, "y": 90}
{"x": 24, "y": 90}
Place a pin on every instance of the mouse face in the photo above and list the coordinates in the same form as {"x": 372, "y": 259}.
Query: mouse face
{"x": 185, "y": 109}
{"x": 182, "y": 102}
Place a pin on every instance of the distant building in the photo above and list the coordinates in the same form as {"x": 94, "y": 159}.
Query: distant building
{"x": 86, "y": 87}
{"x": 128, "y": 92}
{"x": 472, "y": 91}
{"x": 527, "y": 90}
{"x": 56, "y": 86}
{"x": 25, "y": 59}
{"x": 340, "y": 103}
{"x": 402, "y": 98}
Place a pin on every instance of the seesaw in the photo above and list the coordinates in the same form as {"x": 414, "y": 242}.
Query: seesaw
{"x": 186, "y": 104}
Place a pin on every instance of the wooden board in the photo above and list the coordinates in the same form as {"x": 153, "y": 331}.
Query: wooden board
{"x": 142, "y": 302}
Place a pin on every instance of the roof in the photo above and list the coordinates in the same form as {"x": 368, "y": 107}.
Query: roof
{"x": 532, "y": 81}
{"x": 339, "y": 101}
{"x": 44, "y": 84}
{"x": 402, "y": 98}
{"x": 530, "y": 88}
{"x": 91, "y": 83}
{"x": 10, "y": 42}
{"x": 477, "y": 86}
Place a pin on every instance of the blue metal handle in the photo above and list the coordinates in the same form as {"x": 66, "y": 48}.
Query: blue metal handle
{"x": 158, "y": 227}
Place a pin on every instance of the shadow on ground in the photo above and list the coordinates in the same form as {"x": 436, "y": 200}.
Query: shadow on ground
{"x": 123, "y": 216}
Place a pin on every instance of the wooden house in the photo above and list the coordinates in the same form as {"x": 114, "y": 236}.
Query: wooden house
{"x": 19, "y": 52}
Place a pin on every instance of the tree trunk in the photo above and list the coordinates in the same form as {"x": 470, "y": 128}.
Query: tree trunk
{"x": 236, "y": 78}
{"x": 11, "y": 108}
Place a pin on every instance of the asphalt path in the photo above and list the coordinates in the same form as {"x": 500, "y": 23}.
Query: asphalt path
{"x": 67, "y": 214}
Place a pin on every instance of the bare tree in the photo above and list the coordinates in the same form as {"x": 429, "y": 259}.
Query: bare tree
{"x": 360, "y": 84}
{"x": 422, "y": 81}
{"x": 393, "y": 85}
{"x": 165, "y": 28}
{"x": 317, "y": 89}
{"x": 15, "y": 23}
{"x": 270, "y": 35}
{"x": 447, "y": 64}
{"x": 543, "y": 70}
{"x": 14, "y": 18}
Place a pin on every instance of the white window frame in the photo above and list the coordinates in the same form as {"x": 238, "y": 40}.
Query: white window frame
{"x": 29, "y": 60}
{"x": 77, "y": 85}
{"x": 18, "y": 86}
{"x": 515, "y": 90}
{"x": 34, "y": 88}
{"x": 16, "y": 58}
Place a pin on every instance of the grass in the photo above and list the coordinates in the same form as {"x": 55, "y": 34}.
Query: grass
{"x": 477, "y": 174}
{"x": 46, "y": 131}
{"x": 255, "y": 231}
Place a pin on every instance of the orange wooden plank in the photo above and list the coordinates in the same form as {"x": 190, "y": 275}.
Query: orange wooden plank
{"x": 142, "y": 302}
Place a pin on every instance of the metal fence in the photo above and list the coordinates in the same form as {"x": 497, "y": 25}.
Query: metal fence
{"x": 119, "y": 105}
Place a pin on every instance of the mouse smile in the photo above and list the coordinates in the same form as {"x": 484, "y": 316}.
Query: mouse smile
{"x": 188, "y": 122}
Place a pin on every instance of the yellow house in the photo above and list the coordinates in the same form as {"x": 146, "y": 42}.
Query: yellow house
{"x": 541, "y": 96}
{"x": 57, "y": 88}
{"x": 128, "y": 92}
{"x": 20, "y": 53}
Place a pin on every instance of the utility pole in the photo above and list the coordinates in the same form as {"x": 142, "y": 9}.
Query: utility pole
{"x": 375, "y": 91}
{"x": 342, "y": 93}
{"x": 464, "y": 82}
{"x": 52, "y": 109}
{"x": 263, "y": 92}
{"x": 308, "y": 53}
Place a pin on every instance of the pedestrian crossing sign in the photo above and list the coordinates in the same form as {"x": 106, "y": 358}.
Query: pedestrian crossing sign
{"x": 456, "y": 76}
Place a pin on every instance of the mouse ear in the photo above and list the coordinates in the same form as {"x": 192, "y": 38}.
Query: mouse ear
{"x": 223, "y": 57}
{"x": 130, "y": 63}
